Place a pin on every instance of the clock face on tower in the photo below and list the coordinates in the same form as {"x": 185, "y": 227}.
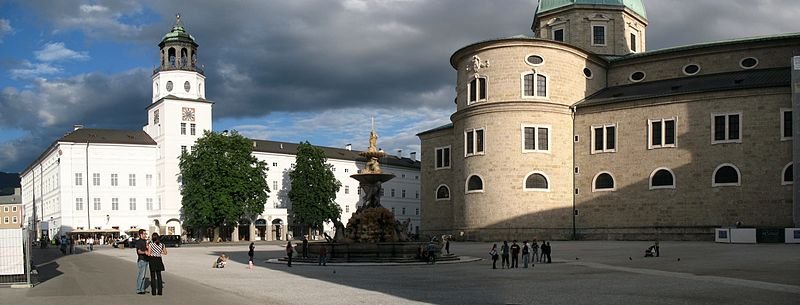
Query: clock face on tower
{"x": 188, "y": 114}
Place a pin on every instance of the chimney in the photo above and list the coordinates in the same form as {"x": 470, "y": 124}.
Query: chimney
{"x": 76, "y": 127}
{"x": 348, "y": 146}
{"x": 414, "y": 155}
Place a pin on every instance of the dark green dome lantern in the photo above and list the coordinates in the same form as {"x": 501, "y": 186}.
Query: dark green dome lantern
{"x": 178, "y": 49}
{"x": 637, "y": 6}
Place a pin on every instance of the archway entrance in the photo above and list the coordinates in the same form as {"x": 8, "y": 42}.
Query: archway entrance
{"x": 278, "y": 228}
{"x": 261, "y": 229}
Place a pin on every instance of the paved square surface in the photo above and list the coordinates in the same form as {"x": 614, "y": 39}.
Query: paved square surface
{"x": 603, "y": 272}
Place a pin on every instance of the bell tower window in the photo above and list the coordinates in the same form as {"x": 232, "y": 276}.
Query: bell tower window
{"x": 171, "y": 56}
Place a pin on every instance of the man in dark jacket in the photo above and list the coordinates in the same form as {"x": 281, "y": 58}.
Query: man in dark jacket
{"x": 514, "y": 254}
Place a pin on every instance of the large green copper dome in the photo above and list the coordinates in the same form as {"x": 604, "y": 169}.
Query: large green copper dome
{"x": 636, "y": 6}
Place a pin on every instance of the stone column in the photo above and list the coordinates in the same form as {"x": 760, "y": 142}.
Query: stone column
{"x": 796, "y": 139}
{"x": 235, "y": 233}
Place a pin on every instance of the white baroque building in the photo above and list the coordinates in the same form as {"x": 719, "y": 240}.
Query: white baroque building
{"x": 114, "y": 181}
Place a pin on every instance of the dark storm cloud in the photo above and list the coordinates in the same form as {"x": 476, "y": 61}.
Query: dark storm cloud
{"x": 314, "y": 55}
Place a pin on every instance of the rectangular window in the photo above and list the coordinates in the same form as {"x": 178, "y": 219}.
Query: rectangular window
{"x": 786, "y": 124}
{"x": 13, "y": 209}
{"x": 393, "y": 213}
{"x": 96, "y": 179}
{"x": 403, "y": 194}
{"x": 347, "y": 209}
{"x": 14, "y": 219}
{"x": 535, "y": 138}
{"x": 78, "y": 178}
{"x": 417, "y": 195}
{"x": 403, "y": 211}
{"x": 192, "y": 128}
{"x": 149, "y": 204}
{"x": 558, "y": 34}
{"x": 443, "y": 157}
{"x": 474, "y": 142}
{"x": 598, "y": 35}
{"x": 148, "y": 179}
{"x": 5, "y": 219}
{"x": 633, "y": 42}
{"x": 79, "y": 204}
{"x": 392, "y": 192}
{"x": 183, "y": 128}
{"x": 726, "y": 128}
{"x": 114, "y": 180}
{"x": 132, "y": 204}
{"x": 604, "y": 138}
{"x": 274, "y": 185}
{"x": 131, "y": 179}
{"x": 183, "y": 149}
{"x": 662, "y": 133}
{"x": 417, "y": 212}
{"x": 347, "y": 189}
{"x": 97, "y": 204}
{"x": 115, "y": 204}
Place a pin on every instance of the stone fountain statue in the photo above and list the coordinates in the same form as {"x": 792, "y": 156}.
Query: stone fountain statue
{"x": 371, "y": 222}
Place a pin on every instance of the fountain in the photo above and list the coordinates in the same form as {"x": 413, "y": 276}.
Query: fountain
{"x": 372, "y": 234}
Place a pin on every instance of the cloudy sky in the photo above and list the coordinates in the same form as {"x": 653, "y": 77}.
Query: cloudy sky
{"x": 290, "y": 71}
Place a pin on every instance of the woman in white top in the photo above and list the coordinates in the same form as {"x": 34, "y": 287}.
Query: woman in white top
{"x": 155, "y": 249}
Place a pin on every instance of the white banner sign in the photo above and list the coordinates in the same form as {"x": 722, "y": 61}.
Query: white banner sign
{"x": 12, "y": 258}
{"x": 796, "y": 61}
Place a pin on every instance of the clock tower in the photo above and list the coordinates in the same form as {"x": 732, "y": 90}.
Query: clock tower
{"x": 177, "y": 116}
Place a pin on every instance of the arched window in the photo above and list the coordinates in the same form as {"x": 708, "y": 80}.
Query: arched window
{"x": 788, "y": 174}
{"x": 536, "y": 181}
{"x": 534, "y": 85}
{"x": 662, "y": 178}
{"x": 184, "y": 57}
{"x": 603, "y": 182}
{"x": 474, "y": 184}
{"x": 171, "y": 57}
{"x": 726, "y": 175}
{"x": 477, "y": 90}
{"x": 443, "y": 192}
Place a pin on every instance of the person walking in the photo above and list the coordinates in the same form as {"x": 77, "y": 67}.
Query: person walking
{"x": 63, "y": 245}
{"x": 504, "y": 255}
{"x": 526, "y": 253}
{"x": 323, "y": 256}
{"x": 305, "y": 247}
{"x": 431, "y": 248}
{"x": 71, "y": 243}
{"x": 250, "y": 253}
{"x": 90, "y": 242}
{"x": 493, "y": 254}
{"x": 535, "y": 251}
{"x": 289, "y": 252}
{"x": 142, "y": 261}
{"x": 514, "y": 254}
{"x": 155, "y": 250}
{"x": 546, "y": 251}
{"x": 447, "y": 245}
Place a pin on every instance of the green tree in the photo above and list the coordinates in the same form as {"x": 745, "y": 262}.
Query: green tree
{"x": 222, "y": 182}
{"x": 314, "y": 188}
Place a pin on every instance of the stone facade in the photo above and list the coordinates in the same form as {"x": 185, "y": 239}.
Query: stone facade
{"x": 574, "y": 204}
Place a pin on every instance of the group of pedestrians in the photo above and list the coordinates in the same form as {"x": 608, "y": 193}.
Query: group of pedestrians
{"x": 66, "y": 244}
{"x": 509, "y": 255}
{"x": 323, "y": 253}
{"x": 150, "y": 253}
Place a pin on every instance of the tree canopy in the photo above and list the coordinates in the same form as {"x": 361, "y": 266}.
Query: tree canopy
{"x": 222, "y": 181}
{"x": 314, "y": 188}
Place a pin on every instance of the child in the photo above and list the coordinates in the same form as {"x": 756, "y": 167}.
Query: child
{"x": 221, "y": 261}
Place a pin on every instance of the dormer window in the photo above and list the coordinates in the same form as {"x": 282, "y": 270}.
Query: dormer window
{"x": 558, "y": 34}
{"x": 633, "y": 42}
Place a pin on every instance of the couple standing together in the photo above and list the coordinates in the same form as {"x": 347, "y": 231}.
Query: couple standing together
{"x": 149, "y": 252}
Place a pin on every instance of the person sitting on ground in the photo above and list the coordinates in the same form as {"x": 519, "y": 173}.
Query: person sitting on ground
{"x": 652, "y": 251}
{"x": 222, "y": 260}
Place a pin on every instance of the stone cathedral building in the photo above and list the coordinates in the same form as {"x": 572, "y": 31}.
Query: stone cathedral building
{"x": 581, "y": 132}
